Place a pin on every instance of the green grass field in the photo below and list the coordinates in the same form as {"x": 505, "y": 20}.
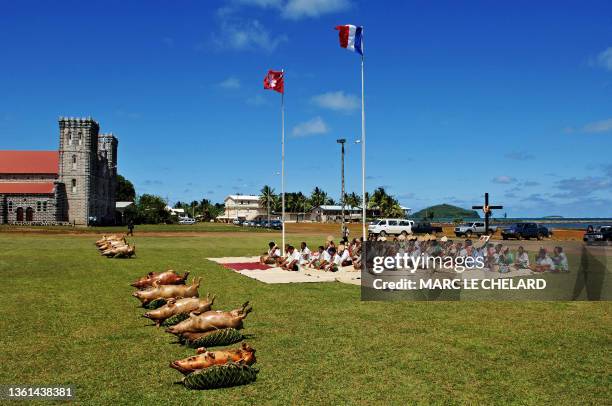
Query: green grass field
{"x": 68, "y": 318}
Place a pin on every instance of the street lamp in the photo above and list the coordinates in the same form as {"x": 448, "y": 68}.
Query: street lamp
{"x": 342, "y": 141}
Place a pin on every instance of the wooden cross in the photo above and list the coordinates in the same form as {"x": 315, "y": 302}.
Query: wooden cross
{"x": 487, "y": 211}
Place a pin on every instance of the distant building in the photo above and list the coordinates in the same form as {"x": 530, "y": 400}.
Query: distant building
{"x": 175, "y": 212}
{"x": 333, "y": 213}
{"x": 75, "y": 184}
{"x": 242, "y": 207}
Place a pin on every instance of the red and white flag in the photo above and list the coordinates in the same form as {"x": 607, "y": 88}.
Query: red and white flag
{"x": 275, "y": 80}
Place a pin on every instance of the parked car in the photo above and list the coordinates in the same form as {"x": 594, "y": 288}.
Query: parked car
{"x": 425, "y": 228}
{"x": 524, "y": 231}
{"x": 236, "y": 222}
{"x": 475, "y": 228}
{"x": 186, "y": 220}
{"x": 276, "y": 224}
{"x": 383, "y": 227}
{"x": 545, "y": 231}
{"x": 603, "y": 233}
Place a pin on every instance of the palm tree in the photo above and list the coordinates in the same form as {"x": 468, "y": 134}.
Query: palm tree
{"x": 267, "y": 198}
{"x": 301, "y": 203}
{"x": 352, "y": 199}
{"x": 318, "y": 197}
{"x": 385, "y": 203}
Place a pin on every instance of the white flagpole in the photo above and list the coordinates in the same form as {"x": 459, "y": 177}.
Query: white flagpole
{"x": 363, "y": 149}
{"x": 283, "y": 161}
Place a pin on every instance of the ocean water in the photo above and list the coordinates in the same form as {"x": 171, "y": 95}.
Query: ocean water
{"x": 567, "y": 223}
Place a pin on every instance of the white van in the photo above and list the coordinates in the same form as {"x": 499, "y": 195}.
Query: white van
{"x": 383, "y": 227}
{"x": 186, "y": 220}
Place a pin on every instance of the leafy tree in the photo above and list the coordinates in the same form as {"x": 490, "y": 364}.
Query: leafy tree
{"x": 352, "y": 199}
{"x": 124, "y": 190}
{"x": 151, "y": 209}
{"x": 385, "y": 203}
{"x": 267, "y": 198}
{"x": 318, "y": 197}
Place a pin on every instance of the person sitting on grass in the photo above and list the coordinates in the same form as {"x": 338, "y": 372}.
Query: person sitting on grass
{"x": 345, "y": 258}
{"x": 305, "y": 254}
{"x": 334, "y": 261}
{"x": 272, "y": 255}
{"x": 293, "y": 259}
{"x": 560, "y": 260}
{"x": 282, "y": 260}
{"x": 543, "y": 262}
{"x": 325, "y": 258}
{"x": 356, "y": 254}
{"x": 522, "y": 259}
{"x": 315, "y": 257}
{"x": 505, "y": 260}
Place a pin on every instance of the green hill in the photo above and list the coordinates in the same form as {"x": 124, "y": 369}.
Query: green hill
{"x": 446, "y": 211}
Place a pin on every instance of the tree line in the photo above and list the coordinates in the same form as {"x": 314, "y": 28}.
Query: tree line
{"x": 298, "y": 202}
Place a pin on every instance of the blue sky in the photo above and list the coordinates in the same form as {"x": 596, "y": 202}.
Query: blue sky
{"x": 461, "y": 97}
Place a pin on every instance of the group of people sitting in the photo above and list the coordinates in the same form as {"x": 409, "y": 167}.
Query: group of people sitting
{"x": 328, "y": 257}
{"x": 495, "y": 257}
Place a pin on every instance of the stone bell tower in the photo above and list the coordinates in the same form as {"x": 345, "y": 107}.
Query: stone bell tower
{"x": 78, "y": 158}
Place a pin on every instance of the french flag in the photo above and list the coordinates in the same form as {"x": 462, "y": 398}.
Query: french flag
{"x": 351, "y": 38}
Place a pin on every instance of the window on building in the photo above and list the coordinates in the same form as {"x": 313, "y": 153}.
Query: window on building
{"x": 10, "y": 207}
{"x": 69, "y": 138}
{"x": 44, "y": 206}
{"x": 80, "y": 138}
{"x": 74, "y": 162}
{"x": 38, "y": 206}
{"x": 74, "y": 187}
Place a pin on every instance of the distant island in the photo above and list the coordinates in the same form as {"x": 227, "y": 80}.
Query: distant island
{"x": 552, "y": 217}
{"x": 446, "y": 211}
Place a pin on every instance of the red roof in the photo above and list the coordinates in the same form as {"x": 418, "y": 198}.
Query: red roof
{"x": 27, "y": 188}
{"x": 34, "y": 162}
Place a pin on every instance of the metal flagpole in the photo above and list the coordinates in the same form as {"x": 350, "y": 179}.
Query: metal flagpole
{"x": 363, "y": 149}
{"x": 283, "y": 162}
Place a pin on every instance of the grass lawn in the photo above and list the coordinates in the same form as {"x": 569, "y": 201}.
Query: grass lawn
{"x": 68, "y": 318}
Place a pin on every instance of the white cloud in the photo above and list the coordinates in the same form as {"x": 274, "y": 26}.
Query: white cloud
{"x": 310, "y": 127}
{"x": 598, "y": 126}
{"x": 337, "y": 101}
{"x": 297, "y": 9}
{"x": 503, "y": 179}
{"x": 604, "y": 59}
{"x": 230, "y": 83}
{"x": 294, "y": 9}
{"x": 246, "y": 35}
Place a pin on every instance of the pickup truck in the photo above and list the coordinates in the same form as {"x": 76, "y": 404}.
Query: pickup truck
{"x": 524, "y": 231}
{"x": 603, "y": 233}
{"x": 476, "y": 228}
{"x": 425, "y": 228}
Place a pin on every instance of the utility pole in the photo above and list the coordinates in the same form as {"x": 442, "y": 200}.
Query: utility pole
{"x": 341, "y": 141}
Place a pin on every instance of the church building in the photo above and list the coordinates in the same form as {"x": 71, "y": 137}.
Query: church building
{"x": 75, "y": 184}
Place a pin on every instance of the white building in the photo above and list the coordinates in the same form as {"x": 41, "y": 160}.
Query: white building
{"x": 242, "y": 207}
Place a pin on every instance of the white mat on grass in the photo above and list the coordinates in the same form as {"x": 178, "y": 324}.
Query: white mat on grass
{"x": 346, "y": 274}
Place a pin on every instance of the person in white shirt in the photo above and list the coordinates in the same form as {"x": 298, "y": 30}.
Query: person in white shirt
{"x": 315, "y": 257}
{"x": 543, "y": 262}
{"x": 334, "y": 260}
{"x": 343, "y": 253}
{"x": 325, "y": 258}
{"x": 305, "y": 253}
{"x": 522, "y": 259}
{"x": 293, "y": 259}
{"x": 272, "y": 255}
{"x": 560, "y": 260}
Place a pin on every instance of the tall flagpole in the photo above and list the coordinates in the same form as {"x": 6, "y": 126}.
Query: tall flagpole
{"x": 283, "y": 162}
{"x": 363, "y": 149}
